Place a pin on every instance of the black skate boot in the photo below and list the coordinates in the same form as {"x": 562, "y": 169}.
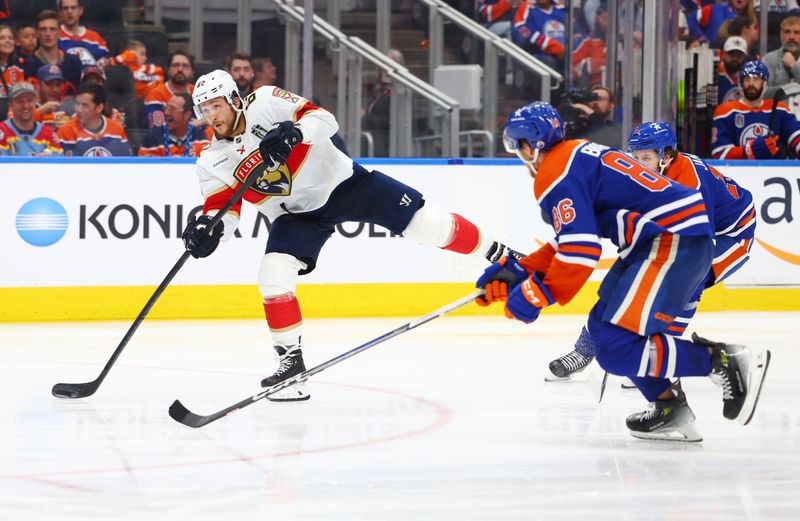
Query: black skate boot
{"x": 290, "y": 363}
{"x": 666, "y": 420}
{"x": 740, "y": 373}
{"x": 564, "y": 367}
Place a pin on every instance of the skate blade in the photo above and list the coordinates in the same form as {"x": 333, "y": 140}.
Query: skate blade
{"x": 295, "y": 393}
{"x": 686, "y": 434}
{"x": 553, "y": 378}
{"x": 755, "y": 382}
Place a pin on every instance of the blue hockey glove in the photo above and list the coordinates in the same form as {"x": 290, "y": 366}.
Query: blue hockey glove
{"x": 278, "y": 143}
{"x": 527, "y": 300}
{"x": 198, "y": 239}
{"x": 764, "y": 147}
{"x": 498, "y": 278}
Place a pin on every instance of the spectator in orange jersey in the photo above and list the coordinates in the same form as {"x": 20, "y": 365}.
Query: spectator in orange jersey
{"x": 9, "y": 72}
{"x": 21, "y": 135}
{"x": 145, "y": 76}
{"x": 90, "y": 133}
{"x": 76, "y": 39}
{"x": 180, "y": 73}
{"x": 177, "y": 137}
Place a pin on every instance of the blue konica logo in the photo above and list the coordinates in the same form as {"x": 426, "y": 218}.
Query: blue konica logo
{"x": 42, "y": 222}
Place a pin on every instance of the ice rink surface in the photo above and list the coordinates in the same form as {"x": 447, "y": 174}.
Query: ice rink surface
{"x": 451, "y": 421}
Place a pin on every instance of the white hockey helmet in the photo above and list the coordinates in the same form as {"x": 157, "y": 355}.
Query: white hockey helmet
{"x": 215, "y": 84}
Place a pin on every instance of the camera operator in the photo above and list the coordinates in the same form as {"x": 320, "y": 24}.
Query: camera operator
{"x": 591, "y": 115}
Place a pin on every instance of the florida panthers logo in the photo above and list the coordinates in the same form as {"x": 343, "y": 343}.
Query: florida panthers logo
{"x": 751, "y": 132}
{"x": 278, "y": 182}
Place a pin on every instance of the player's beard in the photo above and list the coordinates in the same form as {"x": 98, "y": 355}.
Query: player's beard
{"x": 752, "y": 93}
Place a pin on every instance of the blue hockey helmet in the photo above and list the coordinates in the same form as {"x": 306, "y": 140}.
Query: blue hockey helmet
{"x": 753, "y": 68}
{"x": 653, "y": 135}
{"x": 538, "y": 123}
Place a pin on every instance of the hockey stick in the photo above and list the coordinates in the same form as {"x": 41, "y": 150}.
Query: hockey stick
{"x": 63, "y": 390}
{"x": 183, "y": 415}
{"x": 776, "y": 98}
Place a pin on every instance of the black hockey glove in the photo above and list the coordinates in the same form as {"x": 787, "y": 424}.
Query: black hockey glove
{"x": 278, "y": 143}
{"x": 199, "y": 240}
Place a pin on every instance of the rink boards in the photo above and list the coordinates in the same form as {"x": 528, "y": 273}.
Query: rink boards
{"x": 91, "y": 238}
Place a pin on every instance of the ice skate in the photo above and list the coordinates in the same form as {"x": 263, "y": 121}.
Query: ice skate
{"x": 290, "y": 363}
{"x": 563, "y": 368}
{"x": 740, "y": 373}
{"x": 666, "y": 420}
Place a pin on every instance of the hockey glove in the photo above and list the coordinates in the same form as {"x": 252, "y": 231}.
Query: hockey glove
{"x": 764, "y": 147}
{"x": 199, "y": 240}
{"x": 278, "y": 144}
{"x": 498, "y": 278}
{"x": 527, "y": 300}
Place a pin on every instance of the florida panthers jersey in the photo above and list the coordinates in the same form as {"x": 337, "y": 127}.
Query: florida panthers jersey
{"x": 736, "y": 124}
{"x": 543, "y": 29}
{"x": 729, "y": 206}
{"x": 304, "y": 183}
{"x": 590, "y": 191}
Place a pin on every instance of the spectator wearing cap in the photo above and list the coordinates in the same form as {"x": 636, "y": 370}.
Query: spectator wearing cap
{"x": 177, "y": 137}
{"x": 52, "y": 109}
{"x": 734, "y": 54}
{"x": 742, "y": 127}
{"x": 76, "y": 39}
{"x": 90, "y": 133}
{"x": 48, "y": 53}
{"x": 180, "y": 73}
{"x": 783, "y": 62}
{"x": 21, "y": 134}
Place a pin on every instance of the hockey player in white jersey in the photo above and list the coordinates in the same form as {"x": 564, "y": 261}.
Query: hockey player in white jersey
{"x": 305, "y": 187}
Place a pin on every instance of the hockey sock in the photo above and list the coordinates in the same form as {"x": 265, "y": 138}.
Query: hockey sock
{"x": 465, "y": 237}
{"x": 284, "y": 319}
{"x": 667, "y": 357}
{"x": 584, "y": 344}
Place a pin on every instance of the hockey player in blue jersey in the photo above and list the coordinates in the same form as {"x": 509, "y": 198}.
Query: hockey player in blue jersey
{"x": 730, "y": 208}
{"x": 665, "y": 242}
{"x": 742, "y": 127}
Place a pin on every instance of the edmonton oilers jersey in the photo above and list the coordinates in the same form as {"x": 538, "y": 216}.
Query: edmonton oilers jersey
{"x": 590, "y": 191}
{"x": 729, "y": 206}
{"x": 736, "y": 124}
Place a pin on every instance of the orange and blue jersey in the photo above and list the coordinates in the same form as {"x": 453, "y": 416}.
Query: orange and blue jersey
{"x": 736, "y": 125}
{"x": 704, "y": 23}
{"x": 86, "y": 42}
{"x": 40, "y": 141}
{"x": 109, "y": 140}
{"x": 158, "y": 142}
{"x": 145, "y": 77}
{"x": 589, "y": 191}
{"x": 491, "y": 11}
{"x": 156, "y": 100}
{"x": 542, "y": 29}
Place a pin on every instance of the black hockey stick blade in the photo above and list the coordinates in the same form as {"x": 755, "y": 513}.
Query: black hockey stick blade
{"x": 179, "y": 413}
{"x": 62, "y": 390}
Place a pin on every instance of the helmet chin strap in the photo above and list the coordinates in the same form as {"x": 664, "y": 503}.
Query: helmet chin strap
{"x": 663, "y": 164}
{"x": 530, "y": 164}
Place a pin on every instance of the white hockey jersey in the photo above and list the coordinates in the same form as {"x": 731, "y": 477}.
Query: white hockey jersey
{"x": 304, "y": 183}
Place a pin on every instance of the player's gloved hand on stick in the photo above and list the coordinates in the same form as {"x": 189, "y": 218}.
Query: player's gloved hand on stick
{"x": 278, "y": 143}
{"x": 527, "y": 300}
{"x": 498, "y": 278}
{"x": 200, "y": 241}
{"x": 764, "y": 147}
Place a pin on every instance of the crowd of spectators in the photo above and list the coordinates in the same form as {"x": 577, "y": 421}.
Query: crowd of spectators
{"x": 731, "y": 27}
{"x": 56, "y": 97}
